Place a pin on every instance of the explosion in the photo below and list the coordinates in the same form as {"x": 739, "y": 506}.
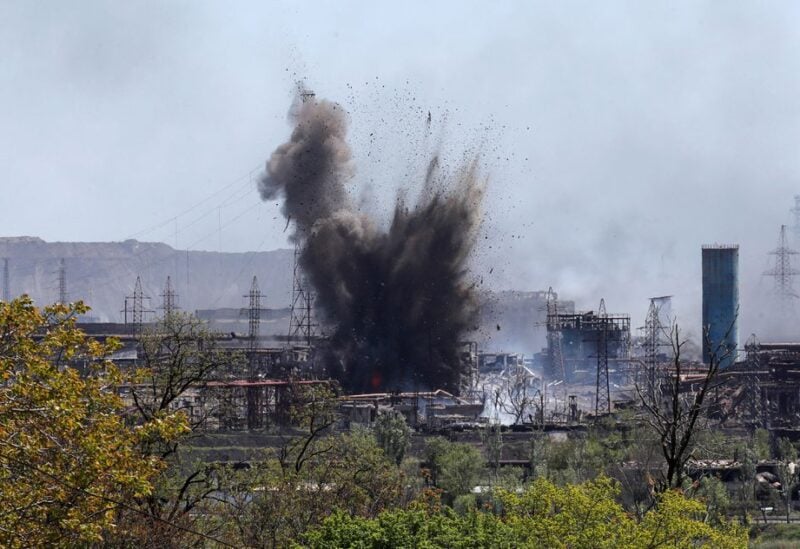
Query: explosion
{"x": 398, "y": 300}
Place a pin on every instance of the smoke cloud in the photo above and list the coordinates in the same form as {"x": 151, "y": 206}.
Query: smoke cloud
{"x": 398, "y": 300}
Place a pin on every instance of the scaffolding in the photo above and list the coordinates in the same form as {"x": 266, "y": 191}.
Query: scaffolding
{"x": 569, "y": 333}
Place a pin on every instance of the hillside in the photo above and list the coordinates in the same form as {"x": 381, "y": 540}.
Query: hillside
{"x": 103, "y": 273}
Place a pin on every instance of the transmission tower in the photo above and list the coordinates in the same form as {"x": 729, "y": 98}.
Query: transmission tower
{"x": 6, "y": 282}
{"x": 783, "y": 273}
{"x": 652, "y": 338}
{"x": 169, "y": 299}
{"x": 253, "y": 393}
{"x": 254, "y": 314}
{"x": 134, "y": 304}
{"x": 554, "y": 334}
{"x": 62, "y": 282}
{"x": 301, "y": 321}
{"x": 602, "y": 403}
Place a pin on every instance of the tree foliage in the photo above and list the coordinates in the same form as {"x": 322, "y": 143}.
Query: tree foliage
{"x": 178, "y": 356}
{"x": 68, "y": 460}
{"x": 393, "y": 434}
{"x": 271, "y": 505}
{"x": 544, "y": 515}
{"x": 453, "y": 467}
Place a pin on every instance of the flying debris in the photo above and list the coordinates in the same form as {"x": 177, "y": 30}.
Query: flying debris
{"x": 398, "y": 299}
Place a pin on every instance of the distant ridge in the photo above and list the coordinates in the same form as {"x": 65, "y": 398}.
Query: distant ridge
{"x": 103, "y": 273}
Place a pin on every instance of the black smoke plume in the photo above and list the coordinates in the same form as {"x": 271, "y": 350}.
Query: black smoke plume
{"x": 398, "y": 300}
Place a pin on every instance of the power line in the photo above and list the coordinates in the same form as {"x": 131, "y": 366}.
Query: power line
{"x": 248, "y": 177}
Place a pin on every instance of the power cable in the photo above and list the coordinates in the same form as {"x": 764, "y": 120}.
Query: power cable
{"x": 248, "y": 176}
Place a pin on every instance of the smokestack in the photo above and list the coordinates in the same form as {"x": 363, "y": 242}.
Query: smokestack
{"x": 720, "y": 303}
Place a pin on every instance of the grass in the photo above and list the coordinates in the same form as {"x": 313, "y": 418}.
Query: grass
{"x": 777, "y": 536}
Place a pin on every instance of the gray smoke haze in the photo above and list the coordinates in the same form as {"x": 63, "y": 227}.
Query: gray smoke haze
{"x": 310, "y": 170}
{"x": 399, "y": 299}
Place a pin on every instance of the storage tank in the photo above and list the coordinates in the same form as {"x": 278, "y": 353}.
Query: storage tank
{"x": 720, "y": 303}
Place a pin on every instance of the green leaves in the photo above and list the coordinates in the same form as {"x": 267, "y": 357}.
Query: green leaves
{"x": 584, "y": 516}
{"x": 67, "y": 457}
{"x": 393, "y": 434}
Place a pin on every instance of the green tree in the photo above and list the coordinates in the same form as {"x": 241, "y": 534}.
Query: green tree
{"x": 584, "y": 516}
{"x": 454, "y": 467}
{"x": 68, "y": 461}
{"x": 393, "y": 434}
{"x": 271, "y": 505}
{"x": 492, "y": 438}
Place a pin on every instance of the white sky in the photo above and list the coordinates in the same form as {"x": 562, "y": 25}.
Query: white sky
{"x": 618, "y": 136}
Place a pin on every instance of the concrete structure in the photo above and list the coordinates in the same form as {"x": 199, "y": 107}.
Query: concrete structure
{"x": 720, "y": 303}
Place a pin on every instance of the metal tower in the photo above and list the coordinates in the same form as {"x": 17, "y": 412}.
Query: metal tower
{"x": 647, "y": 376}
{"x": 783, "y": 273}
{"x": 554, "y": 334}
{"x": 6, "y": 282}
{"x": 62, "y": 282}
{"x": 169, "y": 298}
{"x": 301, "y": 321}
{"x": 135, "y": 305}
{"x": 253, "y": 393}
{"x": 602, "y": 403}
{"x": 254, "y": 315}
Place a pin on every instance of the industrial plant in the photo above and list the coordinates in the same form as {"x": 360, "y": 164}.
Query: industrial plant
{"x": 389, "y": 320}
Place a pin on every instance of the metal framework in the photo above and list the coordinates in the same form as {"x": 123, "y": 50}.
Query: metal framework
{"x": 783, "y": 273}
{"x": 253, "y": 395}
{"x": 573, "y": 330}
{"x": 169, "y": 298}
{"x": 136, "y": 307}
{"x": 796, "y": 212}
{"x": 301, "y": 319}
{"x": 647, "y": 375}
{"x": 602, "y": 402}
{"x": 62, "y": 282}
{"x": 554, "y": 334}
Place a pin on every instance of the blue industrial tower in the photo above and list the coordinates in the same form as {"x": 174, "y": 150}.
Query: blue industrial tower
{"x": 720, "y": 303}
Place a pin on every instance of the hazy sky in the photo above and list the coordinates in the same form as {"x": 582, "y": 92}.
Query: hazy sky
{"x": 617, "y": 136}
